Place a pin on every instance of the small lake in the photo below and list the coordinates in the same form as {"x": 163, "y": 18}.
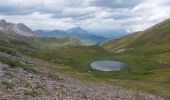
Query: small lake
{"x": 107, "y": 65}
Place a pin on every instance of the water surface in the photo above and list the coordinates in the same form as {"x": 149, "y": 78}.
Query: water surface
{"x": 107, "y": 65}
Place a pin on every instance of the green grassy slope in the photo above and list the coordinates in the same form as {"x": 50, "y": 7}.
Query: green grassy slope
{"x": 157, "y": 37}
{"x": 77, "y": 57}
{"x": 54, "y": 43}
{"x": 148, "y": 55}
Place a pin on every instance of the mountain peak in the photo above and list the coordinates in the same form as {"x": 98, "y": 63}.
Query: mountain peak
{"x": 2, "y": 23}
{"x": 77, "y": 30}
{"x": 24, "y": 27}
{"x": 19, "y": 28}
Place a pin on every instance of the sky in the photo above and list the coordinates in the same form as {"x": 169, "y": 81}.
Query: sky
{"x": 99, "y": 16}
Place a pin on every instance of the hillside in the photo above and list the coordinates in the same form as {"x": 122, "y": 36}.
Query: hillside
{"x": 147, "y": 56}
{"x": 31, "y": 67}
{"x": 25, "y": 78}
{"x": 156, "y": 37}
{"x": 22, "y": 77}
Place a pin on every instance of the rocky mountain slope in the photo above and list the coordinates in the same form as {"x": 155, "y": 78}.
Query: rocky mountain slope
{"x": 20, "y": 28}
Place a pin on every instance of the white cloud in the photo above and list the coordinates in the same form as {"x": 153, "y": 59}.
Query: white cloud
{"x": 95, "y": 15}
{"x": 37, "y": 21}
{"x": 147, "y": 14}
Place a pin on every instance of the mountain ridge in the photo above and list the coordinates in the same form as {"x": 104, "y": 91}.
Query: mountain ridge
{"x": 75, "y": 32}
{"x": 157, "y": 35}
{"x": 21, "y": 35}
{"x": 19, "y": 28}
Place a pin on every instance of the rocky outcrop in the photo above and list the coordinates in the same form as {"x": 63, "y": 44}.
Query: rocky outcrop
{"x": 2, "y": 24}
{"x": 20, "y": 28}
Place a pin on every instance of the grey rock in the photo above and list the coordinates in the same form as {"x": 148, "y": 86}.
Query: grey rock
{"x": 20, "y": 28}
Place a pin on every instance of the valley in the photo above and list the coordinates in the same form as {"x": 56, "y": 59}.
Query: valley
{"x": 146, "y": 74}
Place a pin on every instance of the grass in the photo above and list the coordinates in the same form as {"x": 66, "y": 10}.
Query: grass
{"x": 148, "y": 60}
{"x": 32, "y": 93}
{"x": 8, "y": 85}
{"x": 142, "y": 71}
{"x": 146, "y": 74}
{"x": 76, "y": 57}
{"x": 14, "y": 63}
{"x": 11, "y": 60}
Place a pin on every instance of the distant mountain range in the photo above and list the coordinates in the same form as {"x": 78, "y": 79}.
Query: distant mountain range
{"x": 21, "y": 35}
{"x": 75, "y": 32}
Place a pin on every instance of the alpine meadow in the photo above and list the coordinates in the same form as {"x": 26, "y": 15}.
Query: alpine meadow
{"x": 85, "y": 50}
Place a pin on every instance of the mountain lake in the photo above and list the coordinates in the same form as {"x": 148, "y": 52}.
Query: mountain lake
{"x": 107, "y": 65}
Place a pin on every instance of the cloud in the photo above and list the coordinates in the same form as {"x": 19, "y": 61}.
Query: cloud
{"x": 76, "y": 12}
{"x": 115, "y": 3}
{"x": 149, "y": 13}
{"x": 95, "y": 15}
{"x": 18, "y": 7}
{"x": 30, "y": 6}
